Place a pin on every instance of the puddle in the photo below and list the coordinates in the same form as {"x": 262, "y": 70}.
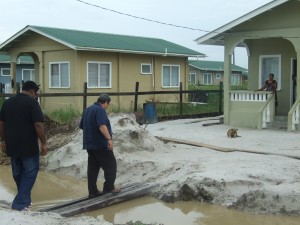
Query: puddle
{"x": 52, "y": 189}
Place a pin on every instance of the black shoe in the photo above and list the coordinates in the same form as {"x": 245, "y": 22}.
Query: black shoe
{"x": 95, "y": 194}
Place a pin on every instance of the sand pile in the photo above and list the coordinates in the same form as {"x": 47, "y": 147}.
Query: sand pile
{"x": 266, "y": 184}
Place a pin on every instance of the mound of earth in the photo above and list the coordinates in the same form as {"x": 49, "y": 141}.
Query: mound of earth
{"x": 264, "y": 184}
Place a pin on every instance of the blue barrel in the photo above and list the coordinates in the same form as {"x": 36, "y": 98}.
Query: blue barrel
{"x": 150, "y": 112}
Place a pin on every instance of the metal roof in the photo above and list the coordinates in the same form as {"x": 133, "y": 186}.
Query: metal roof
{"x": 93, "y": 41}
{"x": 216, "y": 37}
{"x": 215, "y": 66}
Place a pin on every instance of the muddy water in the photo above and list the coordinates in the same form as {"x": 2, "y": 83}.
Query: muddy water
{"x": 52, "y": 189}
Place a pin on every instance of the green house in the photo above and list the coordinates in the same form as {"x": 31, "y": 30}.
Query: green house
{"x": 271, "y": 36}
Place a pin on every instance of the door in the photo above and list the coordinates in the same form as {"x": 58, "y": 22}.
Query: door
{"x": 294, "y": 80}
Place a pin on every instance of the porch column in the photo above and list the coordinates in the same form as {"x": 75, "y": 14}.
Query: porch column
{"x": 39, "y": 72}
{"x": 13, "y": 71}
{"x": 227, "y": 82}
{"x": 298, "y": 72}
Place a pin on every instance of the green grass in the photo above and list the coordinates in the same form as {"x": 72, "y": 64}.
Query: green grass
{"x": 64, "y": 116}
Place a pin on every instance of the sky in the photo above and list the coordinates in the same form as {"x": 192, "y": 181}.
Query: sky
{"x": 199, "y": 15}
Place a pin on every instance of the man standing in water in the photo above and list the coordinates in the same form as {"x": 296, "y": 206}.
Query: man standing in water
{"x": 21, "y": 125}
{"x": 97, "y": 140}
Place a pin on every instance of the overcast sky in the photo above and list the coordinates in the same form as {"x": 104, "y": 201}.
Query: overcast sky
{"x": 73, "y": 14}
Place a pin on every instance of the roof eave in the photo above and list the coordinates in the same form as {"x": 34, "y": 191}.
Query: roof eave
{"x": 27, "y": 28}
{"x": 139, "y": 52}
{"x": 216, "y": 37}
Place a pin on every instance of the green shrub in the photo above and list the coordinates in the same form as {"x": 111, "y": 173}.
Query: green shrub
{"x": 64, "y": 116}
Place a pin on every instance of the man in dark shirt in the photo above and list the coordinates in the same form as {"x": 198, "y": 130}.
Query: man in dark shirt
{"x": 21, "y": 125}
{"x": 97, "y": 140}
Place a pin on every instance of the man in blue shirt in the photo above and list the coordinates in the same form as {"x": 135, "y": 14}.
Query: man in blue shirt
{"x": 97, "y": 140}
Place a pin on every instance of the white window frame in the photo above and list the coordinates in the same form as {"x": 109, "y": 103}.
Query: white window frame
{"x": 162, "y": 75}
{"x": 211, "y": 80}
{"x": 99, "y": 63}
{"x": 31, "y": 74}
{"x": 238, "y": 79}
{"x": 264, "y": 75}
{"x": 218, "y": 76}
{"x": 4, "y": 75}
{"x": 150, "y": 68}
{"x": 59, "y": 85}
{"x": 190, "y": 78}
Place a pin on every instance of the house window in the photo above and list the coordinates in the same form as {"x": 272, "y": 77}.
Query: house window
{"x": 192, "y": 78}
{"x": 59, "y": 75}
{"x": 5, "y": 72}
{"x": 235, "y": 79}
{"x": 99, "y": 74}
{"x": 207, "y": 78}
{"x": 269, "y": 64}
{"x": 170, "y": 75}
{"x": 27, "y": 74}
{"x": 146, "y": 68}
{"x": 218, "y": 76}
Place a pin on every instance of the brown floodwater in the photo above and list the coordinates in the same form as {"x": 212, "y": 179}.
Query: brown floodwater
{"x": 51, "y": 189}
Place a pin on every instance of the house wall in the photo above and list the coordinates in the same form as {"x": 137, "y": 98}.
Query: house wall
{"x": 274, "y": 19}
{"x": 5, "y": 79}
{"x": 245, "y": 114}
{"x": 19, "y": 68}
{"x": 274, "y": 46}
{"x": 126, "y": 71}
{"x": 199, "y": 76}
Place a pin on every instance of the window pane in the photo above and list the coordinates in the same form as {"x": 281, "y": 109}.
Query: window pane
{"x": 104, "y": 75}
{"x": 193, "y": 78}
{"x": 146, "y": 68}
{"x": 64, "y": 75}
{"x": 26, "y": 75}
{"x": 5, "y": 72}
{"x": 93, "y": 75}
{"x": 175, "y": 76}
{"x": 54, "y": 75}
{"x": 269, "y": 65}
{"x": 166, "y": 76}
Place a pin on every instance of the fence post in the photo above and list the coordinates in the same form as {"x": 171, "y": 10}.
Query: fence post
{"x": 180, "y": 98}
{"x": 84, "y": 95}
{"x": 136, "y": 96}
{"x": 220, "y": 97}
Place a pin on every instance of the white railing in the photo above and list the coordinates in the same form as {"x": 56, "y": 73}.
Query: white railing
{"x": 266, "y": 108}
{"x": 7, "y": 88}
{"x": 256, "y": 96}
{"x": 294, "y": 116}
{"x": 267, "y": 112}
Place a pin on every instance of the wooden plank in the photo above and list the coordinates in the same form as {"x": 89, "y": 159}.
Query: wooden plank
{"x": 89, "y": 204}
{"x": 75, "y": 201}
{"x": 106, "y": 200}
{"x": 218, "y": 148}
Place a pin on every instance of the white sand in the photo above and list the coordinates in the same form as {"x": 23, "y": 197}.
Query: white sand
{"x": 259, "y": 183}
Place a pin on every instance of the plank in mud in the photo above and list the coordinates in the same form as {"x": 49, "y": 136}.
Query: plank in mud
{"x": 105, "y": 200}
{"x": 83, "y": 199}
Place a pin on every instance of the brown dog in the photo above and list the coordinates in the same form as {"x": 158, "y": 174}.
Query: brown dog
{"x": 232, "y": 133}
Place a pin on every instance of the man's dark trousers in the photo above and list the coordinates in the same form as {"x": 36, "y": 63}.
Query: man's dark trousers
{"x": 106, "y": 160}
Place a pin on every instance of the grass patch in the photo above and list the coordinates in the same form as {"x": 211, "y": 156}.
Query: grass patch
{"x": 64, "y": 116}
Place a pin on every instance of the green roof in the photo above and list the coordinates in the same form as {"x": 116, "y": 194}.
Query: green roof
{"x": 84, "y": 40}
{"x": 215, "y": 66}
{"x": 22, "y": 59}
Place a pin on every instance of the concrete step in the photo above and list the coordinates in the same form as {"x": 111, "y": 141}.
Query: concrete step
{"x": 279, "y": 122}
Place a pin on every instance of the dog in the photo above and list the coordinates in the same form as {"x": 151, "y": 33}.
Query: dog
{"x": 232, "y": 133}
